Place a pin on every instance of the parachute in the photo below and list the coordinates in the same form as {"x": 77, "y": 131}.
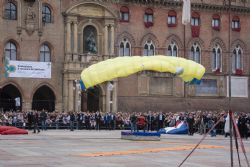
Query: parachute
{"x": 117, "y": 67}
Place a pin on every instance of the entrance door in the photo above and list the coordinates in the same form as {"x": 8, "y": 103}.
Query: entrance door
{"x": 10, "y": 98}
{"x": 93, "y": 95}
{"x": 44, "y": 98}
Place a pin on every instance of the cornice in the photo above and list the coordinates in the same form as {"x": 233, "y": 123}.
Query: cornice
{"x": 178, "y": 4}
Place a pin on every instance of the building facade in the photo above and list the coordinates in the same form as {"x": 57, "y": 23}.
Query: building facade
{"x": 74, "y": 34}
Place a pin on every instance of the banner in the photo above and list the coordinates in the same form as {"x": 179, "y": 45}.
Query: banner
{"x": 28, "y": 69}
{"x": 186, "y": 12}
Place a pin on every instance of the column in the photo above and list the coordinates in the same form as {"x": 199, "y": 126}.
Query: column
{"x": 112, "y": 39}
{"x": 65, "y": 94}
{"x": 77, "y": 96}
{"x": 107, "y": 98}
{"x": 75, "y": 37}
{"x": 71, "y": 96}
{"x": 68, "y": 36}
{"x": 115, "y": 96}
{"x": 106, "y": 40}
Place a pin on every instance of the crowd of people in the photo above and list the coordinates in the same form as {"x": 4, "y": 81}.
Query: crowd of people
{"x": 198, "y": 121}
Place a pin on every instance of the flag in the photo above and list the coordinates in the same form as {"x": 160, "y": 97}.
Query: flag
{"x": 186, "y": 12}
{"x": 181, "y": 128}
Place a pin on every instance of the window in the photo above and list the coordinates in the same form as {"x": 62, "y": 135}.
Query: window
{"x": 10, "y": 11}
{"x": 10, "y": 51}
{"x": 45, "y": 54}
{"x": 124, "y": 14}
{"x": 46, "y": 14}
{"x": 236, "y": 23}
{"x": 124, "y": 49}
{"x": 216, "y": 58}
{"x": 148, "y": 18}
{"x": 149, "y": 49}
{"x": 172, "y": 50}
{"x": 171, "y": 18}
{"x": 216, "y": 22}
{"x": 195, "y": 20}
{"x": 237, "y": 60}
{"x": 195, "y": 53}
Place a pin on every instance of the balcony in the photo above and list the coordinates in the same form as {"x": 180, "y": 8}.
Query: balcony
{"x": 77, "y": 62}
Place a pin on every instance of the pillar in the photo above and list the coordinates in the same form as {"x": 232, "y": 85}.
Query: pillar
{"x": 106, "y": 40}
{"x": 71, "y": 96}
{"x": 68, "y": 36}
{"x": 115, "y": 96}
{"x": 112, "y": 35}
{"x": 65, "y": 93}
{"x": 75, "y": 40}
{"x": 107, "y": 98}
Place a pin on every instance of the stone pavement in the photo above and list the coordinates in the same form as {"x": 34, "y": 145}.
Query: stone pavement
{"x": 63, "y": 148}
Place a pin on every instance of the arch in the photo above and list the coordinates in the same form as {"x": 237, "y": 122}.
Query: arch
{"x": 10, "y": 98}
{"x": 90, "y": 2}
{"x": 94, "y": 99}
{"x": 219, "y": 41}
{"x": 123, "y": 35}
{"x": 40, "y": 85}
{"x": 148, "y": 37}
{"x": 44, "y": 98}
{"x": 240, "y": 43}
{"x": 174, "y": 38}
{"x": 12, "y": 82}
{"x": 197, "y": 40}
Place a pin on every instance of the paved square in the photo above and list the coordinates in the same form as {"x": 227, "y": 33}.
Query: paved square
{"x": 84, "y": 148}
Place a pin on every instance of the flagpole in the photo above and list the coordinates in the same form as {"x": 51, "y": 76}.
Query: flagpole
{"x": 229, "y": 82}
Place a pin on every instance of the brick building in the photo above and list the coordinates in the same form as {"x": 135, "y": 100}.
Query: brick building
{"x": 75, "y": 34}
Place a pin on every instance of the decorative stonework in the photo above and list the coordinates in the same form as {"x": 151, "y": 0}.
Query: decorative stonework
{"x": 30, "y": 22}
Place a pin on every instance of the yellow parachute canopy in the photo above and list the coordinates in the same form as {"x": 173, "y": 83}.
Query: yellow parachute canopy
{"x": 117, "y": 67}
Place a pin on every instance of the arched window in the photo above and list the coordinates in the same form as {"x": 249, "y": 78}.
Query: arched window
{"x": 216, "y": 58}
{"x": 10, "y": 11}
{"x": 125, "y": 48}
{"x": 45, "y": 53}
{"x": 124, "y": 14}
{"x": 148, "y": 18}
{"x": 10, "y": 51}
{"x": 149, "y": 49}
{"x": 46, "y": 14}
{"x": 237, "y": 59}
{"x": 90, "y": 40}
{"x": 216, "y": 22}
{"x": 196, "y": 53}
{"x": 172, "y": 18}
{"x": 172, "y": 49}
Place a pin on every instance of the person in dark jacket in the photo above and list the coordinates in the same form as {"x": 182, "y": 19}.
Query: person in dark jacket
{"x": 36, "y": 122}
{"x": 190, "y": 122}
{"x": 71, "y": 121}
{"x": 43, "y": 117}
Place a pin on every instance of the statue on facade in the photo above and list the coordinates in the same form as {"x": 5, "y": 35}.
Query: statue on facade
{"x": 90, "y": 43}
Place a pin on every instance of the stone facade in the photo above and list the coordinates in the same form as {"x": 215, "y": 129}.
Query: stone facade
{"x": 139, "y": 92}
